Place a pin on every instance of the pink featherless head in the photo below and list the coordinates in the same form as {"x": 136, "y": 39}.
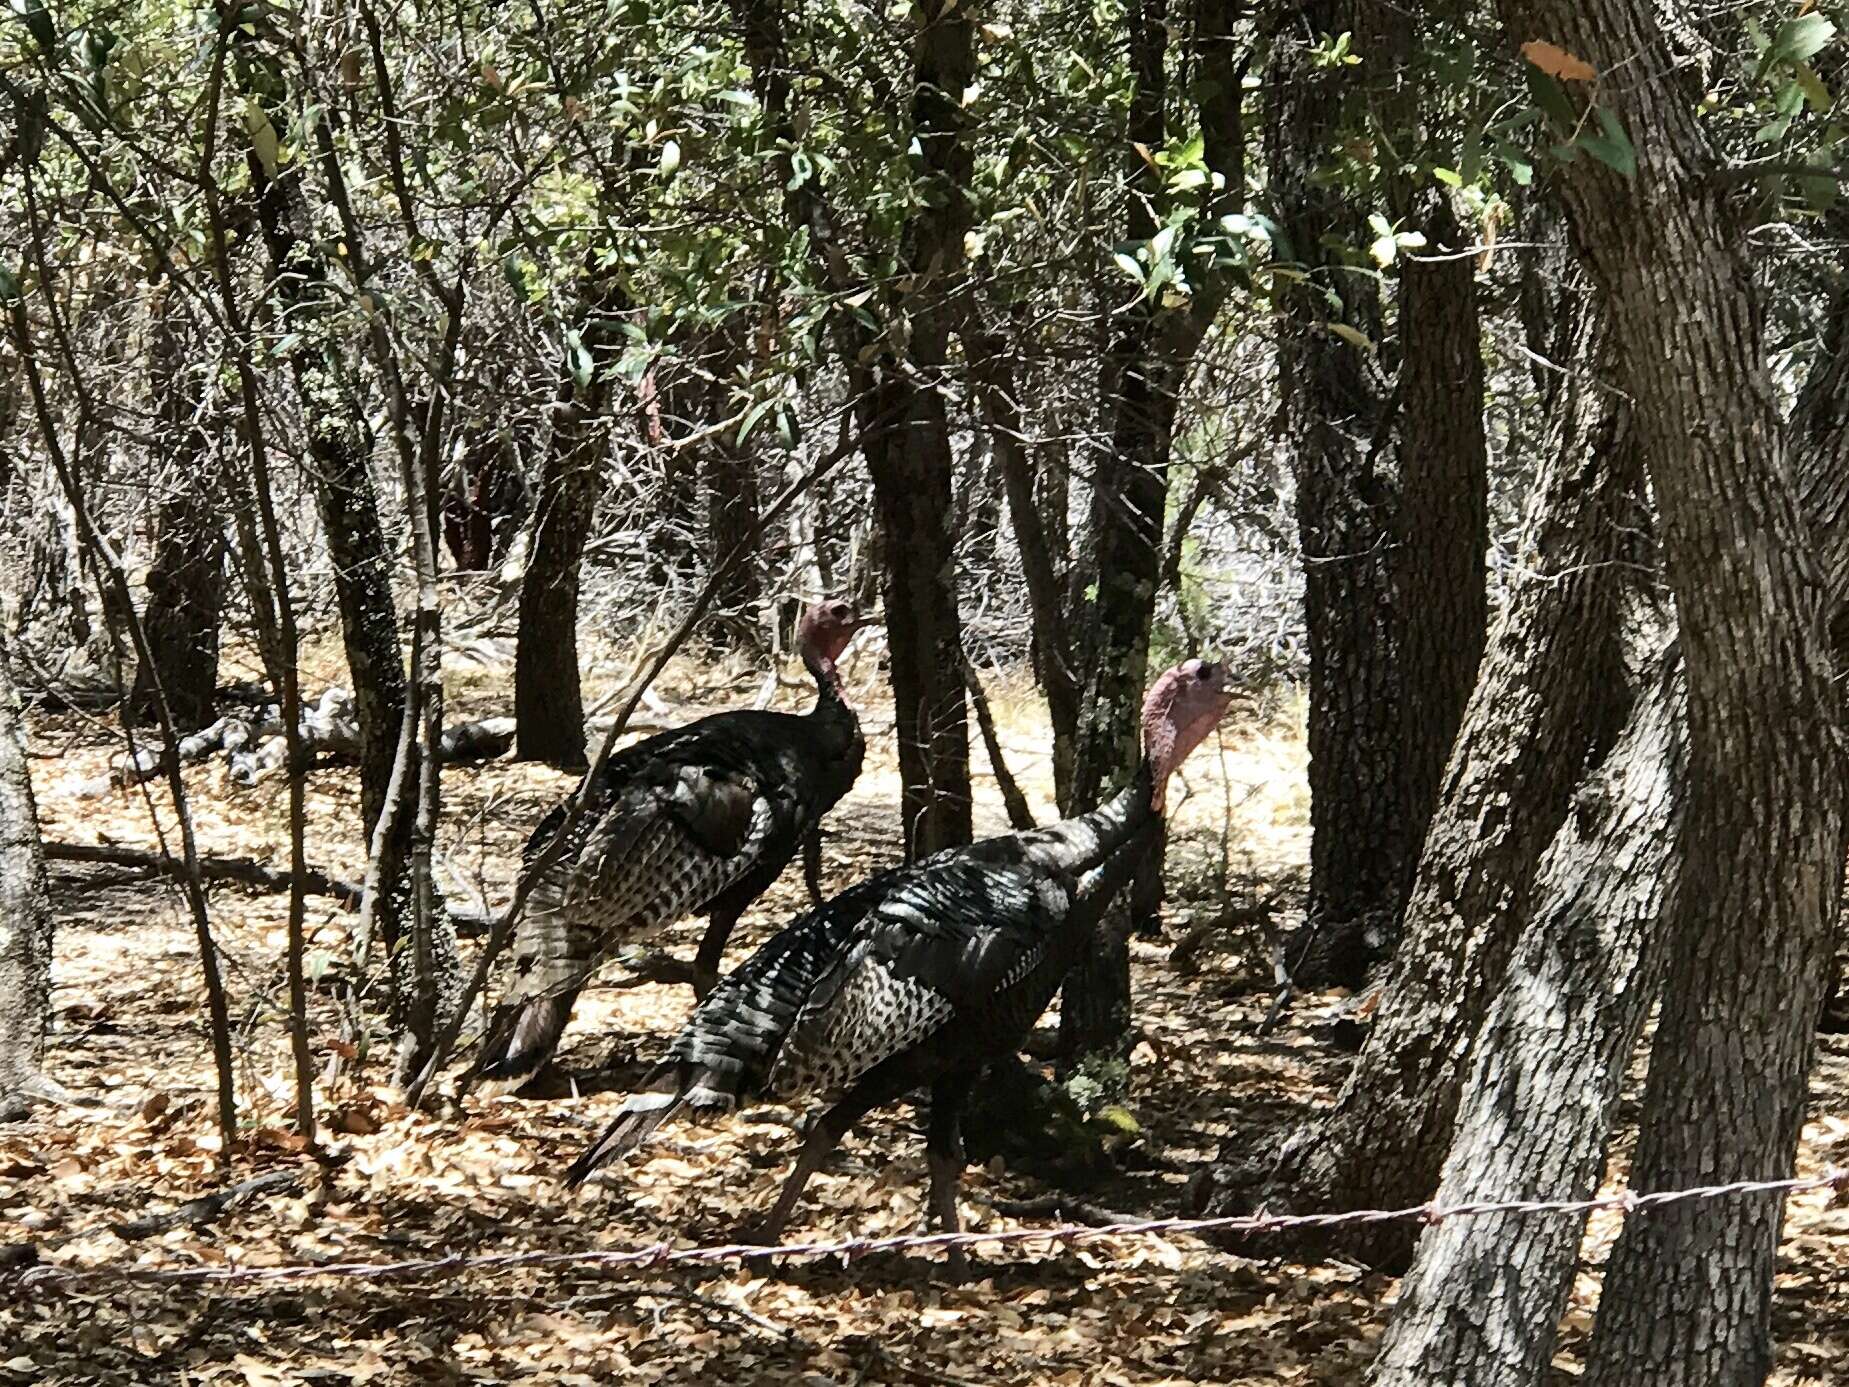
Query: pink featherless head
{"x": 826, "y": 628}
{"x": 1181, "y": 708}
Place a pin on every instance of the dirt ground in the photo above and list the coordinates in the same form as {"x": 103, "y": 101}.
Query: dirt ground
{"x": 130, "y": 1034}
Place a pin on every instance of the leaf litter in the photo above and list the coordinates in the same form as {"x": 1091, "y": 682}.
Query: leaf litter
{"x": 481, "y": 1177}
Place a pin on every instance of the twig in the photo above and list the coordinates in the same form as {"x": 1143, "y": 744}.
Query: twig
{"x": 1019, "y": 815}
{"x": 207, "y": 1207}
{"x": 1059, "y": 1206}
{"x": 246, "y": 870}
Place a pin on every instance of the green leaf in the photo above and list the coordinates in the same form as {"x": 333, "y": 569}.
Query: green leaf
{"x": 263, "y": 137}
{"x": 670, "y": 158}
{"x": 1384, "y": 250}
{"x": 1820, "y": 191}
{"x": 751, "y": 420}
{"x": 1129, "y": 264}
{"x": 38, "y": 23}
{"x": 1611, "y": 147}
{"x": 1449, "y": 177}
{"x": 578, "y": 359}
{"x": 1552, "y": 98}
{"x": 1799, "y": 40}
{"x": 9, "y": 285}
{"x": 1813, "y": 87}
{"x": 1353, "y": 336}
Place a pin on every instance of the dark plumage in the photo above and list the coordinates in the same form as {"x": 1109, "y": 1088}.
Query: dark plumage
{"x": 701, "y": 819}
{"x": 920, "y": 975}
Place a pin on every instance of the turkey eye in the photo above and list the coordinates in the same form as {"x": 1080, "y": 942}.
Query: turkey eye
{"x": 1206, "y": 672}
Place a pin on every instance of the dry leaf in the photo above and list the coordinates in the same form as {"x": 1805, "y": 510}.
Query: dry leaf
{"x": 1555, "y": 61}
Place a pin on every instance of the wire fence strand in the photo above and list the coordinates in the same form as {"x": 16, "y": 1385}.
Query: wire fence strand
{"x": 52, "y": 1278}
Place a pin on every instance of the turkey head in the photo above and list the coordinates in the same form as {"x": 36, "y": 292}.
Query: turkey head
{"x": 1181, "y": 708}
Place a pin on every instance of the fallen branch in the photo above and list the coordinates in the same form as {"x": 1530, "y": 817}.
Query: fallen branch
{"x": 244, "y": 870}
{"x": 1060, "y": 1206}
{"x": 254, "y": 743}
{"x": 205, "y": 1209}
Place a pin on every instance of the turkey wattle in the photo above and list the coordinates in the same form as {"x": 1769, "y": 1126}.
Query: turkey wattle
{"x": 920, "y": 975}
{"x": 699, "y": 820}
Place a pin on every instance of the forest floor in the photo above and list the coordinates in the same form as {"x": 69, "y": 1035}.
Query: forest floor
{"x": 477, "y": 1179}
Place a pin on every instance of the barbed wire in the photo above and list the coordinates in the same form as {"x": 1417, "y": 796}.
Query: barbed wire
{"x": 659, "y": 1255}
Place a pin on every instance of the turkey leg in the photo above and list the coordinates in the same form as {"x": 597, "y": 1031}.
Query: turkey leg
{"x": 944, "y": 1149}
{"x": 879, "y": 1085}
{"x": 812, "y": 865}
{"x": 719, "y": 927}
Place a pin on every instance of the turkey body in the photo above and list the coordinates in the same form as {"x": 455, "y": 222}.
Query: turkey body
{"x": 698, "y": 820}
{"x": 919, "y": 976}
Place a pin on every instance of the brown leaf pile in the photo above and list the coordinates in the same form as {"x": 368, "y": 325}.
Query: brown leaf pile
{"x": 130, "y": 1035}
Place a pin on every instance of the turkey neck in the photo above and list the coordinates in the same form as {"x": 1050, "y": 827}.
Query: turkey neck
{"x": 1086, "y": 842}
{"x": 831, "y": 705}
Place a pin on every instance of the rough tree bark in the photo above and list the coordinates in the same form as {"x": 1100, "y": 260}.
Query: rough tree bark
{"x": 1333, "y": 412}
{"x": 1552, "y": 692}
{"x": 1440, "y": 592}
{"x": 339, "y": 462}
{"x": 1480, "y": 1305}
{"x": 730, "y": 479}
{"x": 911, "y": 461}
{"x": 1755, "y": 858}
{"x": 25, "y": 920}
{"x": 186, "y": 583}
{"x": 548, "y": 697}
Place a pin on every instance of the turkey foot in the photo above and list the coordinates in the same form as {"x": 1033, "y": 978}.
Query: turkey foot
{"x": 552, "y": 1080}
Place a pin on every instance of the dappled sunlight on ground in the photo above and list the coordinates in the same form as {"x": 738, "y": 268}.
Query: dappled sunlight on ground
{"x": 130, "y": 1033}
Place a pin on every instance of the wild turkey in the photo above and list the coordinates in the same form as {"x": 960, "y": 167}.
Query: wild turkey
{"x": 701, "y": 819}
{"x": 920, "y": 975}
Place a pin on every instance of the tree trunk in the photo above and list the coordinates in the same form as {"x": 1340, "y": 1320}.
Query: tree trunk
{"x": 1453, "y": 1327}
{"x": 1756, "y": 858}
{"x": 1440, "y": 594}
{"x": 1550, "y": 698}
{"x": 338, "y": 460}
{"x": 912, "y": 464}
{"x": 186, "y": 584}
{"x": 25, "y": 918}
{"x": 732, "y": 498}
{"x": 548, "y": 698}
{"x": 1333, "y": 412}
{"x": 1480, "y": 1306}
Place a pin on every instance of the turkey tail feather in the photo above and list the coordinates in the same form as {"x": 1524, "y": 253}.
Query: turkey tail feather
{"x": 521, "y": 1040}
{"x": 677, "y": 1086}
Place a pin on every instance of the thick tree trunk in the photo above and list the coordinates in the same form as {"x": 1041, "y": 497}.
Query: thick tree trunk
{"x": 1550, "y": 697}
{"x": 1362, "y": 836}
{"x": 548, "y": 698}
{"x": 1440, "y": 593}
{"x": 1480, "y": 1306}
{"x": 25, "y": 918}
{"x": 1465, "y": 1318}
{"x": 186, "y": 584}
{"x": 912, "y": 464}
{"x": 1688, "y": 1296}
{"x": 911, "y": 467}
{"x": 1757, "y": 857}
